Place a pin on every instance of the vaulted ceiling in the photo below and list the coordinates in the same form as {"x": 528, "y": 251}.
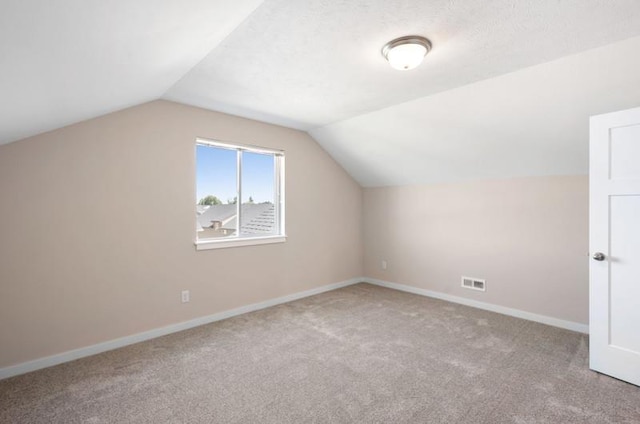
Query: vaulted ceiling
{"x": 506, "y": 91}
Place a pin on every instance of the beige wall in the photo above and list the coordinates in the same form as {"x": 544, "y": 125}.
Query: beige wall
{"x": 97, "y": 227}
{"x": 528, "y": 237}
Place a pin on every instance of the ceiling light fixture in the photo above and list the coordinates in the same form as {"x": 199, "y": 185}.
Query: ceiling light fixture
{"x": 407, "y": 52}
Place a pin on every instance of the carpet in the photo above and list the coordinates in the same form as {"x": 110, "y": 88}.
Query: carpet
{"x": 360, "y": 354}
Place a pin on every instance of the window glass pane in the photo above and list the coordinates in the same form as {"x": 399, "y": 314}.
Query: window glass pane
{"x": 258, "y": 215}
{"x": 216, "y": 189}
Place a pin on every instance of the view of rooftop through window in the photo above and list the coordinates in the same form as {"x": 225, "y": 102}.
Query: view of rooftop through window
{"x": 218, "y": 196}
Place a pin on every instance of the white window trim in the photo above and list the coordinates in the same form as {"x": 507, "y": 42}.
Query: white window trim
{"x": 238, "y": 241}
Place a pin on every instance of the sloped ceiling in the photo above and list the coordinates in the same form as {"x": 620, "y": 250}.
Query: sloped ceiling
{"x": 532, "y": 122}
{"x": 505, "y": 92}
{"x": 64, "y": 61}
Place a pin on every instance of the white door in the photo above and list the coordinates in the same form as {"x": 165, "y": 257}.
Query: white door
{"x": 614, "y": 178}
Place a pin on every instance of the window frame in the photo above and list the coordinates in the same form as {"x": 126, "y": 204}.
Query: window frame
{"x": 279, "y": 197}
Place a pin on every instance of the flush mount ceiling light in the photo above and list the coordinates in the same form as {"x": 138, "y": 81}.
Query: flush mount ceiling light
{"x": 406, "y": 53}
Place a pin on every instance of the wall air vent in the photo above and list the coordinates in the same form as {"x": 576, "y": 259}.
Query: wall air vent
{"x": 474, "y": 283}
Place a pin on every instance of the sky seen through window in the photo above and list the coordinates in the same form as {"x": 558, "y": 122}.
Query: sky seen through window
{"x": 216, "y": 175}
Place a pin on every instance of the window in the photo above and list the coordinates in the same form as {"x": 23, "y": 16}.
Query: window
{"x": 240, "y": 195}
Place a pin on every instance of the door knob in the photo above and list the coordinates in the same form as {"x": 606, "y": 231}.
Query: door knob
{"x": 599, "y": 256}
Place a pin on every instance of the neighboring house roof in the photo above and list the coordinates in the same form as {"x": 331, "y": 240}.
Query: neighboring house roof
{"x": 259, "y": 220}
{"x": 256, "y": 218}
{"x": 200, "y": 209}
{"x": 220, "y": 213}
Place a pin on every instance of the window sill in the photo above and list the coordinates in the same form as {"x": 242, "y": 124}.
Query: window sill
{"x": 238, "y": 242}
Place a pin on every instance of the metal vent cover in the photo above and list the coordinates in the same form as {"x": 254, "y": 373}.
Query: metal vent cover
{"x": 474, "y": 283}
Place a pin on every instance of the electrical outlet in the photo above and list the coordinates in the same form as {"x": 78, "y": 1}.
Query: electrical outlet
{"x": 383, "y": 264}
{"x": 185, "y": 296}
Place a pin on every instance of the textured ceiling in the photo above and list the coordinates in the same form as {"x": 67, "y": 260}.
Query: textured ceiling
{"x": 492, "y": 99}
{"x": 527, "y": 123}
{"x": 64, "y": 61}
{"x": 310, "y": 63}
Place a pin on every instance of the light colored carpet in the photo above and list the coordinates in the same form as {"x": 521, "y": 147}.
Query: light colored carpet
{"x": 362, "y": 354}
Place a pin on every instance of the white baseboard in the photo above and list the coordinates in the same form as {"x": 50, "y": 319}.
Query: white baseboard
{"x": 71, "y": 355}
{"x": 555, "y": 322}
